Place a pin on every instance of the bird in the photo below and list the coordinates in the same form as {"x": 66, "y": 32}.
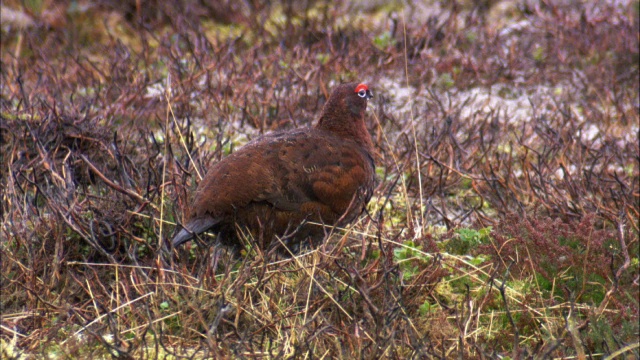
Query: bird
{"x": 283, "y": 184}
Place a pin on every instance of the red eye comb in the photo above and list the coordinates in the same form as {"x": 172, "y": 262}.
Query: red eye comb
{"x": 362, "y": 86}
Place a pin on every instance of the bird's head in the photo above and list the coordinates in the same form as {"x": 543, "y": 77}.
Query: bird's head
{"x": 350, "y": 96}
{"x": 344, "y": 111}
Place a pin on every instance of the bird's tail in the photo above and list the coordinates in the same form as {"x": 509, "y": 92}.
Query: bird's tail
{"x": 192, "y": 228}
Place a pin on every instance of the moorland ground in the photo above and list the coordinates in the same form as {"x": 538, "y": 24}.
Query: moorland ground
{"x": 504, "y": 223}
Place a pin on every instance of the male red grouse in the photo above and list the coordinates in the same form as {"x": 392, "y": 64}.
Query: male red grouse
{"x": 279, "y": 183}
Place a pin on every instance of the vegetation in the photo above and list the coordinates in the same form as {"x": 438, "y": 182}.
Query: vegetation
{"x": 505, "y": 223}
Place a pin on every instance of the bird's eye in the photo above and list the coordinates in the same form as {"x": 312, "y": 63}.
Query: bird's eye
{"x": 362, "y": 93}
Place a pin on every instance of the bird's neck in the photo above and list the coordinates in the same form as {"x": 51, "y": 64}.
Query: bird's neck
{"x": 352, "y": 127}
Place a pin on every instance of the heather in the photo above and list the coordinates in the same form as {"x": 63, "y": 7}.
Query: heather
{"x": 504, "y": 222}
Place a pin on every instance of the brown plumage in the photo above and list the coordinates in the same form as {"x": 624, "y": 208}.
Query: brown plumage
{"x": 276, "y": 184}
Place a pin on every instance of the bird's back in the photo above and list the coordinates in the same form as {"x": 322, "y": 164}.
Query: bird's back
{"x": 283, "y": 179}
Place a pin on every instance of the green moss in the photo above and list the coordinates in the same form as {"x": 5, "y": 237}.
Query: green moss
{"x": 539, "y": 54}
{"x": 384, "y": 40}
{"x": 467, "y": 239}
{"x": 445, "y": 81}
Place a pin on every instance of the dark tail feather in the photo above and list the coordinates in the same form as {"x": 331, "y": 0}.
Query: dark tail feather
{"x": 192, "y": 228}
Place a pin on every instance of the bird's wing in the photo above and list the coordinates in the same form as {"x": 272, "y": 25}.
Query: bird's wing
{"x": 324, "y": 170}
{"x": 287, "y": 170}
{"x": 235, "y": 181}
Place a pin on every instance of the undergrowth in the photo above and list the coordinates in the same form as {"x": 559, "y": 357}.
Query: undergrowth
{"x": 504, "y": 223}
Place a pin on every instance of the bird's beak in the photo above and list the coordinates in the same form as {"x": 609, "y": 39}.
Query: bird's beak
{"x": 369, "y": 94}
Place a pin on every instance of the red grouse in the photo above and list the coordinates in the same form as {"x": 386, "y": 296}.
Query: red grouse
{"x": 282, "y": 183}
